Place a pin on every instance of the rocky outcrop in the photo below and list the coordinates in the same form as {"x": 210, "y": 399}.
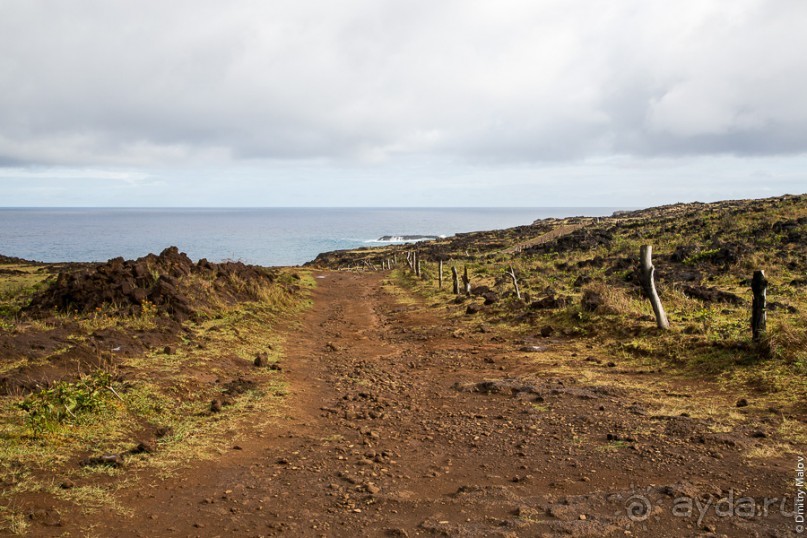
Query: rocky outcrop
{"x": 169, "y": 282}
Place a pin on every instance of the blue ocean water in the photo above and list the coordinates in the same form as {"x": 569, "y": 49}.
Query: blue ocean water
{"x": 265, "y": 236}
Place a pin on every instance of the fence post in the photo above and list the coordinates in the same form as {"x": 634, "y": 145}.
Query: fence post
{"x": 466, "y": 280}
{"x": 759, "y": 285}
{"x": 649, "y": 285}
{"x": 440, "y": 273}
{"x": 512, "y": 274}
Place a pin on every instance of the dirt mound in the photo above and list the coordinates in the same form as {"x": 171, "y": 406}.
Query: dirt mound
{"x": 169, "y": 283}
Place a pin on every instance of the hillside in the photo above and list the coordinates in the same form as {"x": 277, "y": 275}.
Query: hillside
{"x": 163, "y": 397}
{"x": 579, "y": 278}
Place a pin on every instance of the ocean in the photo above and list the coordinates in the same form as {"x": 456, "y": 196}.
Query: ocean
{"x": 264, "y": 236}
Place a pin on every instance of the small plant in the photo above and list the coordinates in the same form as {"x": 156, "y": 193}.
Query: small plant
{"x": 64, "y": 402}
{"x": 148, "y": 309}
{"x": 14, "y": 523}
{"x": 147, "y": 317}
{"x": 703, "y": 255}
{"x": 706, "y": 318}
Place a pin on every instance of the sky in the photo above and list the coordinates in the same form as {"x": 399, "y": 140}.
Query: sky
{"x": 401, "y": 103}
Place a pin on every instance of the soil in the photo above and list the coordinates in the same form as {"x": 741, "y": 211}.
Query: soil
{"x": 169, "y": 287}
{"x": 401, "y": 422}
{"x": 159, "y": 280}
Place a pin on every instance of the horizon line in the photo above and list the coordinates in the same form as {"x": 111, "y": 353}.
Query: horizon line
{"x": 322, "y": 207}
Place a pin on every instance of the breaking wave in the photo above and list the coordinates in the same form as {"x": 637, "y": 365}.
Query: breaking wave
{"x": 404, "y": 238}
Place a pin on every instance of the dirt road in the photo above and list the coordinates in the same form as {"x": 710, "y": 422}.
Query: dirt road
{"x": 402, "y": 423}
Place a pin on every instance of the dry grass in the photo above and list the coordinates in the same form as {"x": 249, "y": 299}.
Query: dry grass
{"x": 13, "y": 521}
{"x": 169, "y": 390}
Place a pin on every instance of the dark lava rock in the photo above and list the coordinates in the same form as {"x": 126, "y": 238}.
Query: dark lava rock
{"x": 596, "y": 261}
{"x": 480, "y": 291}
{"x": 215, "y": 406}
{"x": 591, "y": 300}
{"x": 473, "y": 309}
{"x": 129, "y": 286}
{"x": 712, "y": 295}
{"x": 550, "y": 302}
{"x": 742, "y": 402}
{"x": 109, "y": 460}
{"x": 163, "y": 431}
{"x": 682, "y": 252}
{"x": 776, "y": 305}
{"x": 261, "y": 359}
{"x": 239, "y": 386}
{"x": 144, "y": 447}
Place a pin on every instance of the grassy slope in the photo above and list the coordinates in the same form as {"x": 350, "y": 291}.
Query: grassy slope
{"x": 699, "y": 250}
{"x": 153, "y": 395}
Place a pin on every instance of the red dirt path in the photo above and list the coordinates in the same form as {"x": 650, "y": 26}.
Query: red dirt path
{"x": 387, "y": 431}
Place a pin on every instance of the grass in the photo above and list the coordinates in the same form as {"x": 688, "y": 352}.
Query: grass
{"x": 613, "y": 446}
{"x": 13, "y": 521}
{"x": 709, "y": 342}
{"x": 145, "y": 391}
{"x": 92, "y": 499}
{"x": 18, "y": 282}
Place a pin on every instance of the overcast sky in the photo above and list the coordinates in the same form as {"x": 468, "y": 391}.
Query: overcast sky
{"x": 401, "y": 103}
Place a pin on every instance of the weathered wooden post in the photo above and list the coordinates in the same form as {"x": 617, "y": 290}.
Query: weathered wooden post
{"x": 440, "y": 273}
{"x": 649, "y": 285}
{"x": 417, "y": 265}
{"x": 466, "y": 281}
{"x": 456, "y": 279}
{"x": 418, "y": 268}
{"x": 759, "y": 285}
{"x": 512, "y": 274}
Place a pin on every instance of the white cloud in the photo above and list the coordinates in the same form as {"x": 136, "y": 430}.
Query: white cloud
{"x": 188, "y": 84}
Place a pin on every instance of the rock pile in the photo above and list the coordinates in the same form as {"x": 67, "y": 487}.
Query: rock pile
{"x": 169, "y": 283}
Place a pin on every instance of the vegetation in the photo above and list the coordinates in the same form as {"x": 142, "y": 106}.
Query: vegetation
{"x": 579, "y": 279}
{"x": 84, "y": 389}
{"x": 64, "y": 401}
